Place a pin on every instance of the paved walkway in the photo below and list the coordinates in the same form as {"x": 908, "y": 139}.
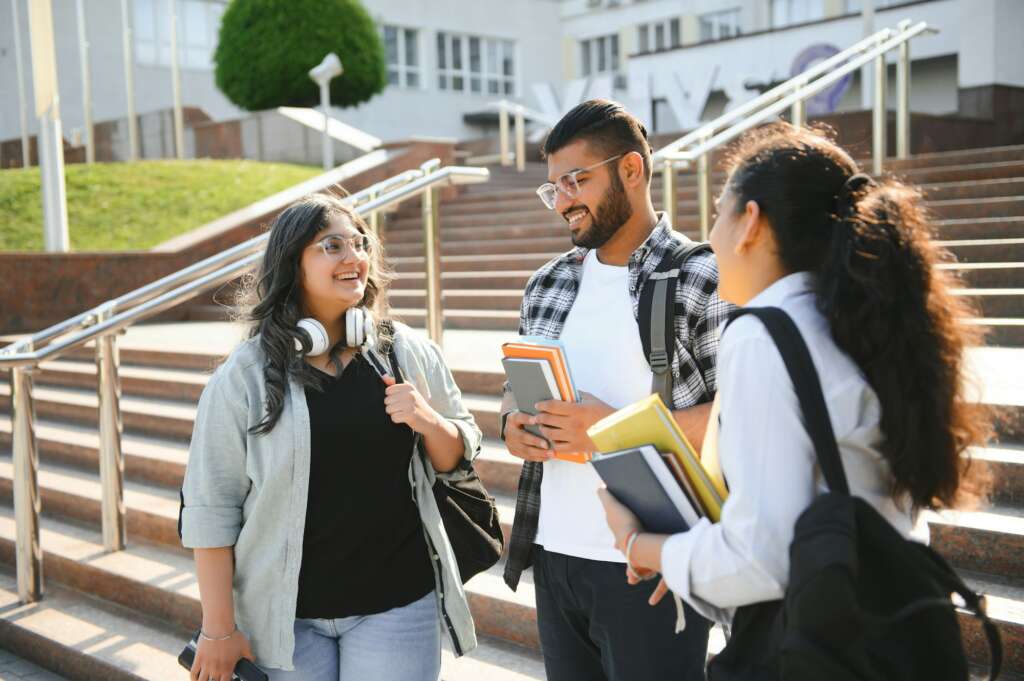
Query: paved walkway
{"x": 13, "y": 668}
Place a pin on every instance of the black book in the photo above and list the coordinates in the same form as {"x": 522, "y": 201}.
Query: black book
{"x": 639, "y": 478}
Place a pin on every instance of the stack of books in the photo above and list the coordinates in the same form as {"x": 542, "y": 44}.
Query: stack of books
{"x": 537, "y": 371}
{"x": 648, "y": 464}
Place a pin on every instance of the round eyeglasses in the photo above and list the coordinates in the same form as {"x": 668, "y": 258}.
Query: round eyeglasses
{"x": 338, "y": 247}
{"x": 567, "y": 184}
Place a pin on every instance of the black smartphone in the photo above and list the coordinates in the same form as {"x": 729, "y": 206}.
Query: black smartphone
{"x": 244, "y": 670}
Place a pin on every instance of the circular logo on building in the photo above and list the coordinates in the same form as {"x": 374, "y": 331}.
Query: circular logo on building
{"x": 826, "y": 101}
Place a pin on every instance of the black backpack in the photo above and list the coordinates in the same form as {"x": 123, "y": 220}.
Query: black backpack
{"x": 863, "y": 603}
{"x": 657, "y": 312}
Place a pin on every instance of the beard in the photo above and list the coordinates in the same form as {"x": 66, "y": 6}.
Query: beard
{"x": 613, "y": 212}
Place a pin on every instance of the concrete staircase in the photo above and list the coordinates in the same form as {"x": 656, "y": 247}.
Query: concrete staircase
{"x": 124, "y": 616}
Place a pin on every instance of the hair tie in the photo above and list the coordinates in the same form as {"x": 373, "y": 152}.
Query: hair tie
{"x": 853, "y": 186}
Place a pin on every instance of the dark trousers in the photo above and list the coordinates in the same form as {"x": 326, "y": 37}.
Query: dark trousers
{"x": 594, "y": 626}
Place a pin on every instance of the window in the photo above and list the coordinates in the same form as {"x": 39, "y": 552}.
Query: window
{"x": 402, "y": 50}
{"x": 789, "y": 12}
{"x": 660, "y": 35}
{"x": 858, "y": 5}
{"x": 718, "y": 25}
{"x": 600, "y": 55}
{"x": 198, "y": 27}
{"x": 476, "y": 64}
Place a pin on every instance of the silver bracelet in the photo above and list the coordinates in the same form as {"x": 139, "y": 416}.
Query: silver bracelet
{"x": 202, "y": 635}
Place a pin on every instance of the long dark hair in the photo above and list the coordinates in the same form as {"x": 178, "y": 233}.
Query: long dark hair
{"x": 271, "y": 301}
{"x": 889, "y": 306}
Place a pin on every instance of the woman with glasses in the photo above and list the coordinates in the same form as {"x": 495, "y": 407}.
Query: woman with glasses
{"x": 320, "y": 553}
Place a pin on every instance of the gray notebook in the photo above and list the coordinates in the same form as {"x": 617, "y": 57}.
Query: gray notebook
{"x": 532, "y": 381}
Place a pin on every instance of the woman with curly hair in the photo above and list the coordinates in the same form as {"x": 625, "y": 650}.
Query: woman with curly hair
{"x": 320, "y": 553}
{"x": 851, "y": 262}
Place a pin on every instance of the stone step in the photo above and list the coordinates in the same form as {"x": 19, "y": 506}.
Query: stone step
{"x": 958, "y": 157}
{"x": 86, "y": 639}
{"x": 477, "y": 263}
{"x": 1005, "y": 606}
{"x": 989, "y": 274}
{"x": 495, "y": 300}
{"x": 986, "y": 250}
{"x": 145, "y": 601}
{"x": 489, "y": 320}
{"x": 990, "y": 541}
{"x": 974, "y": 189}
{"x": 944, "y": 209}
{"x": 149, "y": 460}
{"x": 554, "y": 243}
{"x": 526, "y": 199}
{"x": 997, "y": 302}
{"x": 151, "y": 416}
{"x": 980, "y": 228}
{"x": 459, "y": 281}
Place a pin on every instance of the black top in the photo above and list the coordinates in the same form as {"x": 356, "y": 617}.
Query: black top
{"x": 363, "y": 551}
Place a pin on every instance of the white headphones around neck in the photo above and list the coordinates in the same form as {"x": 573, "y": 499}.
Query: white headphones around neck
{"x": 358, "y": 324}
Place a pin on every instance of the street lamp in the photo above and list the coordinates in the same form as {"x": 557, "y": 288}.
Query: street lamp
{"x": 322, "y": 74}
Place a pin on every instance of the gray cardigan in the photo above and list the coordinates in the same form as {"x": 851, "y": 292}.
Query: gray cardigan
{"x": 249, "y": 492}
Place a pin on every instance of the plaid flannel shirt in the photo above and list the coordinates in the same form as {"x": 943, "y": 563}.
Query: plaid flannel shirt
{"x": 549, "y": 296}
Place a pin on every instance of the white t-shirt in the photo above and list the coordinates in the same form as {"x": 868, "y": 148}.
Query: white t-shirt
{"x": 603, "y": 348}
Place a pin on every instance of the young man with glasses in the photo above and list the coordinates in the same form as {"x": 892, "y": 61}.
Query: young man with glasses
{"x": 592, "y": 624}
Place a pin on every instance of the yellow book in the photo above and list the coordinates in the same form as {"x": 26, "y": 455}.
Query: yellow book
{"x": 650, "y": 422}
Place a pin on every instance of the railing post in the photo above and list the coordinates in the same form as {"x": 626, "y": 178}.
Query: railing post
{"x": 520, "y": 140}
{"x": 374, "y": 221}
{"x": 111, "y": 456}
{"x": 879, "y": 135}
{"x": 432, "y": 258}
{"x": 28, "y": 551}
{"x": 668, "y": 192}
{"x": 503, "y": 133}
{"x": 704, "y": 192}
{"x": 903, "y": 98}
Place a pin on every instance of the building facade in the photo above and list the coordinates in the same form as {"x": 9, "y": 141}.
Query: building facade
{"x": 674, "y": 62}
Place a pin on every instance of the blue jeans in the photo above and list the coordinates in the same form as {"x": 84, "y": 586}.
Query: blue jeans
{"x": 402, "y": 644}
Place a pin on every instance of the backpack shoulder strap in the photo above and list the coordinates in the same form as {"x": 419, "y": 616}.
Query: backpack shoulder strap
{"x": 807, "y": 385}
{"x": 657, "y": 315}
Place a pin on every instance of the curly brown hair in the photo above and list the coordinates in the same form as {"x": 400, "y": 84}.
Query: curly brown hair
{"x": 889, "y": 306}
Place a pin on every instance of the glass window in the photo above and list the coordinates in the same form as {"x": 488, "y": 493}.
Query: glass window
{"x": 401, "y": 50}
{"x": 613, "y": 45}
{"x": 198, "y": 25}
{"x": 586, "y": 65}
{"x": 602, "y": 55}
{"x": 659, "y": 37}
{"x": 643, "y": 37}
{"x": 476, "y": 64}
{"x": 718, "y": 25}
{"x": 790, "y": 12}
{"x": 675, "y": 33}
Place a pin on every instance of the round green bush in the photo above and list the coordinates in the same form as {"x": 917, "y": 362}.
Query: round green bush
{"x": 267, "y": 47}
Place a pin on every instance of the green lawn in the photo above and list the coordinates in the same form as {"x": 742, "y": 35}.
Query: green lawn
{"x": 127, "y": 206}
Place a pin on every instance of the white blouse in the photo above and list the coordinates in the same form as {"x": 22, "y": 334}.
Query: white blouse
{"x": 769, "y": 461}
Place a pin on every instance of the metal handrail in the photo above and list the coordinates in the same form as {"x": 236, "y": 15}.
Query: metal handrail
{"x": 104, "y": 322}
{"x": 521, "y": 113}
{"x": 799, "y": 88}
{"x": 769, "y": 96}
